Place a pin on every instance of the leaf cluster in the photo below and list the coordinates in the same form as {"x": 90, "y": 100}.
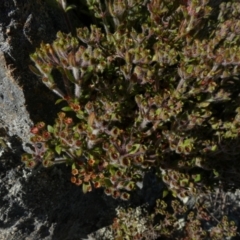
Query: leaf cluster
{"x": 153, "y": 85}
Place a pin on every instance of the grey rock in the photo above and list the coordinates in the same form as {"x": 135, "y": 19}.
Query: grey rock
{"x": 14, "y": 115}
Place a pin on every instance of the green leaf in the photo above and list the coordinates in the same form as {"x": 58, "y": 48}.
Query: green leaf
{"x": 50, "y": 129}
{"x": 165, "y": 193}
{"x": 35, "y": 70}
{"x": 58, "y": 149}
{"x": 216, "y": 173}
{"x": 198, "y": 9}
{"x": 112, "y": 171}
{"x": 70, "y": 7}
{"x": 158, "y": 111}
{"x": 66, "y": 109}
{"x": 116, "y": 165}
{"x": 85, "y": 187}
{"x": 197, "y": 178}
{"x": 214, "y": 148}
{"x": 174, "y": 194}
{"x": 134, "y": 148}
{"x": 80, "y": 115}
{"x": 59, "y": 100}
{"x": 184, "y": 181}
{"x": 107, "y": 183}
{"x": 203, "y": 104}
{"x": 125, "y": 229}
{"x": 190, "y": 69}
{"x": 188, "y": 142}
{"x": 79, "y": 152}
{"x": 73, "y": 166}
{"x": 69, "y": 76}
{"x": 130, "y": 186}
{"x": 97, "y": 150}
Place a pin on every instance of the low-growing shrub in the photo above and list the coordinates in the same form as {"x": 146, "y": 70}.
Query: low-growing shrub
{"x": 154, "y": 85}
{"x": 174, "y": 220}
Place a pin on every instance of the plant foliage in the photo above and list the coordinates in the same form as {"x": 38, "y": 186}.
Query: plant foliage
{"x": 154, "y": 85}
